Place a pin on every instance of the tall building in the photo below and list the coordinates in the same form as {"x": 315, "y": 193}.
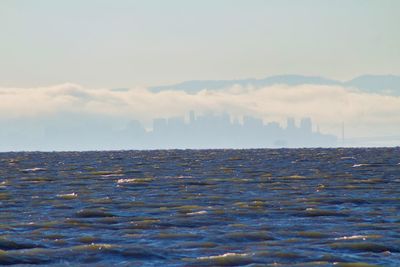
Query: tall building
{"x": 192, "y": 117}
{"x": 306, "y": 125}
{"x": 291, "y": 124}
{"x": 159, "y": 125}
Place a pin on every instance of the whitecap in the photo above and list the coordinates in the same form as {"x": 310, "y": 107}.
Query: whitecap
{"x": 197, "y": 212}
{"x": 4, "y": 184}
{"x": 229, "y": 254}
{"x": 360, "y": 165}
{"x": 126, "y": 181}
{"x": 184, "y": 176}
{"x": 112, "y": 175}
{"x": 347, "y": 158}
{"x": 134, "y": 180}
{"x": 363, "y": 237}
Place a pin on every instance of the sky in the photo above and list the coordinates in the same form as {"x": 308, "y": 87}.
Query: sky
{"x": 104, "y": 43}
{"x": 69, "y": 57}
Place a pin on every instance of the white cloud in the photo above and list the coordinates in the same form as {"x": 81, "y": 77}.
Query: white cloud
{"x": 364, "y": 114}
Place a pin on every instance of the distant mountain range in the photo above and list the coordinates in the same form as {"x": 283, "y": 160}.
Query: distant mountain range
{"x": 380, "y": 84}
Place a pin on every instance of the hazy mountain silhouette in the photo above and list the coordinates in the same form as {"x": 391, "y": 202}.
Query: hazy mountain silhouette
{"x": 382, "y": 84}
{"x": 388, "y": 84}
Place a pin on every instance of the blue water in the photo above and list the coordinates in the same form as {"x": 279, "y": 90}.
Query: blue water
{"x": 284, "y": 207}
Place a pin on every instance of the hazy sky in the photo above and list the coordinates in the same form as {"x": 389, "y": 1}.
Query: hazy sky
{"x": 123, "y": 43}
{"x": 59, "y": 58}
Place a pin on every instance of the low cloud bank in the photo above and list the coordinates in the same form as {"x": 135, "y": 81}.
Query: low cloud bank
{"x": 364, "y": 114}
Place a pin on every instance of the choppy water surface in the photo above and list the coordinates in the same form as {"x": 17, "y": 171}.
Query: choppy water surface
{"x": 303, "y": 207}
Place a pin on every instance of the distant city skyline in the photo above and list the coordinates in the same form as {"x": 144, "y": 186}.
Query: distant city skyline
{"x": 193, "y": 132}
{"x": 223, "y": 131}
{"x": 69, "y": 132}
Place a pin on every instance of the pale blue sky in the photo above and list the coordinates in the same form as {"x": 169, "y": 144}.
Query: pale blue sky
{"x": 125, "y": 43}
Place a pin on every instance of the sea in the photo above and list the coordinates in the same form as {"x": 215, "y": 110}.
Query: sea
{"x": 253, "y": 207}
